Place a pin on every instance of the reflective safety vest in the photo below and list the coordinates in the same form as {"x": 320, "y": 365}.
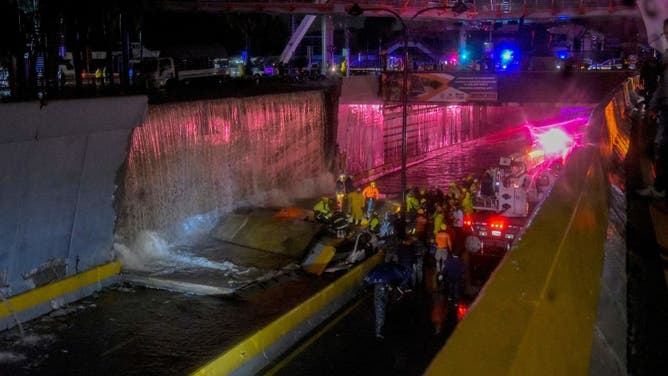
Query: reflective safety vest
{"x": 322, "y": 207}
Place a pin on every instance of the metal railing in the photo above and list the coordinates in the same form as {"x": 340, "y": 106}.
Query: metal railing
{"x": 476, "y": 8}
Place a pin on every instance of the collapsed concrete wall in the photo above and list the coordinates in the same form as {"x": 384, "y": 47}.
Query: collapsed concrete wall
{"x": 58, "y": 166}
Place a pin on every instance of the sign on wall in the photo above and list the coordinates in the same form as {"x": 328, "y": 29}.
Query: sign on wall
{"x": 440, "y": 87}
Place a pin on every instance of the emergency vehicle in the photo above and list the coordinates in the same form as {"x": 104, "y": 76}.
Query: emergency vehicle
{"x": 509, "y": 192}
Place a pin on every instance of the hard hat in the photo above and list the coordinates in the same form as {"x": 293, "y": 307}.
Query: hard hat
{"x": 444, "y": 226}
{"x": 420, "y": 211}
{"x": 373, "y": 184}
{"x": 423, "y": 200}
{"x": 342, "y": 177}
{"x": 410, "y": 194}
{"x": 325, "y": 198}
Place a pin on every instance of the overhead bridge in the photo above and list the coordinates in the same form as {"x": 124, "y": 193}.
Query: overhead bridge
{"x": 475, "y": 9}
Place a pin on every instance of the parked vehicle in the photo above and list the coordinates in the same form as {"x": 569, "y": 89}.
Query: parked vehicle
{"x": 610, "y": 64}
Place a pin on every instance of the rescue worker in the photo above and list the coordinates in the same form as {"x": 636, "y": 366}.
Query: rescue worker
{"x": 381, "y": 296}
{"x": 406, "y": 259}
{"x": 340, "y": 224}
{"x": 98, "y": 77}
{"x": 457, "y": 221}
{"x": 475, "y": 190}
{"x": 443, "y": 246}
{"x": 340, "y": 192}
{"x": 374, "y": 223}
{"x": 454, "y": 191}
{"x": 439, "y": 218}
{"x": 420, "y": 250}
{"x": 412, "y": 205}
{"x": 421, "y": 222}
{"x": 454, "y": 273}
{"x": 467, "y": 202}
{"x": 322, "y": 211}
{"x": 356, "y": 201}
{"x": 468, "y": 181}
{"x": 371, "y": 195}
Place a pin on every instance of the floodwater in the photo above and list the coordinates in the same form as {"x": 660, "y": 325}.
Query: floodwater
{"x": 128, "y": 330}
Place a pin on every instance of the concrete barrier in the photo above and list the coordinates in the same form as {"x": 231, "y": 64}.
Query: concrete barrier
{"x": 256, "y": 352}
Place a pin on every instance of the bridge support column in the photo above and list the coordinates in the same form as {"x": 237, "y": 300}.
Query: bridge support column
{"x": 327, "y": 44}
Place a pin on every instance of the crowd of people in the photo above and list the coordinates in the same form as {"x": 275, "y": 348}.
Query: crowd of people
{"x": 429, "y": 235}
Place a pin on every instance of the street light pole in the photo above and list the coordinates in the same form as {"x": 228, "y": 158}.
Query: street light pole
{"x": 356, "y": 10}
{"x": 404, "y": 119}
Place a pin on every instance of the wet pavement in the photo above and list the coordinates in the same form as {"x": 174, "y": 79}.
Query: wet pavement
{"x": 417, "y": 326}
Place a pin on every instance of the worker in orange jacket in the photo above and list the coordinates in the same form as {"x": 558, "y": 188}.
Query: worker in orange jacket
{"x": 371, "y": 194}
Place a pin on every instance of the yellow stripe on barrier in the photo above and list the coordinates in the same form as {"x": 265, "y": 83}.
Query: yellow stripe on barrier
{"x": 265, "y": 337}
{"x": 51, "y": 291}
{"x": 536, "y": 314}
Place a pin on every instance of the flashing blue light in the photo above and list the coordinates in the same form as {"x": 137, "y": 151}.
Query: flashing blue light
{"x": 563, "y": 17}
{"x": 506, "y": 56}
{"x": 463, "y": 55}
{"x": 562, "y": 55}
{"x": 244, "y": 55}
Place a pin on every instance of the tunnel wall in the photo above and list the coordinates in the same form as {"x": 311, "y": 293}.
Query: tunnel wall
{"x": 58, "y": 166}
{"x": 369, "y": 135}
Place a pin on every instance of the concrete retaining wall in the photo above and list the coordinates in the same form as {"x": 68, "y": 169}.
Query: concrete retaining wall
{"x": 58, "y": 167}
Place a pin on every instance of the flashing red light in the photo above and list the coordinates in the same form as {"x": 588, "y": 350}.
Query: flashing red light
{"x": 468, "y": 221}
{"x": 461, "y": 311}
{"x": 498, "y": 223}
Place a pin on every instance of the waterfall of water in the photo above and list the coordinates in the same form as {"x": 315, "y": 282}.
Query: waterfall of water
{"x": 192, "y": 162}
{"x": 371, "y": 135}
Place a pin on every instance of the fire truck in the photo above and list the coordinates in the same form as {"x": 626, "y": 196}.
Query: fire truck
{"x": 509, "y": 193}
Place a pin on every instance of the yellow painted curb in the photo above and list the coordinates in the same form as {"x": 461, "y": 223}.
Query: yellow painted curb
{"x": 267, "y": 336}
{"x": 51, "y": 291}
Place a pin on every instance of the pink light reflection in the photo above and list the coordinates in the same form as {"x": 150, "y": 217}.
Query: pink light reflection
{"x": 557, "y": 140}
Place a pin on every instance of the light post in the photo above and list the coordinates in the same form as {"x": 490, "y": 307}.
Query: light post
{"x": 356, "y": 10}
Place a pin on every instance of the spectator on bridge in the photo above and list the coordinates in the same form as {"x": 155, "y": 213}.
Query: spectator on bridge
{"x": 658, "y": 113}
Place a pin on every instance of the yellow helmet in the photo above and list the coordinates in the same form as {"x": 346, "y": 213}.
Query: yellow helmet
{"x": 325, "y": 198}
{"x": 444, "y": 226}
{"x": 373, "y": 184}
{"x": 420, "y": 211}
